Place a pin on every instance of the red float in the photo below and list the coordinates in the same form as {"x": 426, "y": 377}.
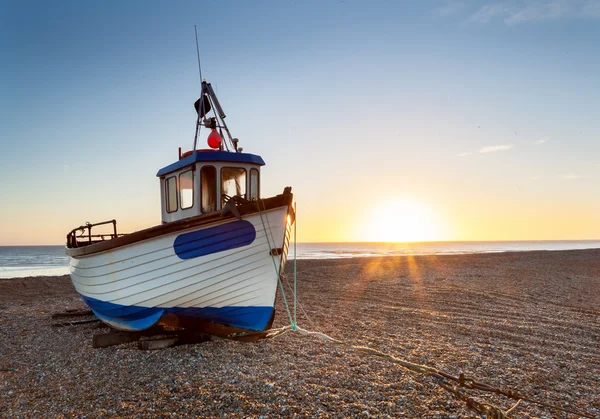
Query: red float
{"x": 214, "y": 139}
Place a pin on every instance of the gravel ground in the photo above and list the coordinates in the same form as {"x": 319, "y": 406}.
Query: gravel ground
{"x": 529, "y": 321}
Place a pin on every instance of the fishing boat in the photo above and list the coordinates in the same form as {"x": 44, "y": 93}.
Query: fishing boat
{"x": 214, "y": 262}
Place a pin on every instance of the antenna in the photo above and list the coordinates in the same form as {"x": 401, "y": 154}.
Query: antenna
{"x": 198, "y": 52}
{"x": 201, "y": 92}
{"x": 207, "y": 93}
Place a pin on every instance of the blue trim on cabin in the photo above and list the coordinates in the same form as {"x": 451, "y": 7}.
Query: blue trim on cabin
{"x": 140, "y": 318}
{"x": 212, "y": 156}
{"x": 216, "y": 239}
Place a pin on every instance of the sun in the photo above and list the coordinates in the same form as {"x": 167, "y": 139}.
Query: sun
{"x": 401, "y": 221}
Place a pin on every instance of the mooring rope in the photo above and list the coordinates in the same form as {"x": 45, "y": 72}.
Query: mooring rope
{"x": 442, "y": 379}
{"x": 295, "y": 293}
{"x": 277, "y": 271}
{"x": 301, "y": 307}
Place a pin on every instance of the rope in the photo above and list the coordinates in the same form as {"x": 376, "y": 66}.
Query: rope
{"x": 295, "y": 293}
{"x": 461, "y": 381}
{"x": 490, "y": 411}
{"x": 277, "y": 271}
{"x": 299, "y": 304}
{"x": 514, "y": 407}
{"x": 270, "y": 231}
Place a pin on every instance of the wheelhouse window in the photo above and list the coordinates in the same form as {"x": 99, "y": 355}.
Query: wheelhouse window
{"x": 186, "y": 189}
{"x": 254, "y": 185}
{"x": 233, "y": 182}
{"x": 208, "y": 189}
{"x": 171, "y": 194}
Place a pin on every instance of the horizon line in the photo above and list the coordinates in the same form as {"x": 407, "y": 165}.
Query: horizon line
{"x": 381, "y": 242}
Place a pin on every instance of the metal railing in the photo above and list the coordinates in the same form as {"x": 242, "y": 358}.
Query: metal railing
{"x": 85, "y": 232}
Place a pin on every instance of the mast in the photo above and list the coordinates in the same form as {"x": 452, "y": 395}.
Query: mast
{"x": 208, "y": 99}
{"x": 201, "y": 91}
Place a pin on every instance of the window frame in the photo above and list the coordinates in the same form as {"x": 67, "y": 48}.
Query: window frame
{"x": 216, "y": 188}
{"x": 257, "y": 183}
{"x": 167, "y": 191}
{"x": 245, "y": 183}
{"x": 180, "y": 190}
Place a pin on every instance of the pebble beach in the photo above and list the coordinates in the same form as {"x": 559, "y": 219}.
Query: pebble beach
{"x": 528, "y": 321}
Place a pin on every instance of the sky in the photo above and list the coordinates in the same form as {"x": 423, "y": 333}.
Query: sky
{"x": 392, "y": 121}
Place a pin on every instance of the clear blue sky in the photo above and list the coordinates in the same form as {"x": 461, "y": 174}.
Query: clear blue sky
{"x": 482, "y": 112}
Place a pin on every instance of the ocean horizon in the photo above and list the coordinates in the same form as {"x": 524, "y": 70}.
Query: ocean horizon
{"x": 51, "y": 260}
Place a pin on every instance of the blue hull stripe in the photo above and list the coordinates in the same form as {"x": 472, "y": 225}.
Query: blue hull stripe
{"x": 140, "y": 323}
{"x": 139, "y": 318}
{"x": 214, "y": 239}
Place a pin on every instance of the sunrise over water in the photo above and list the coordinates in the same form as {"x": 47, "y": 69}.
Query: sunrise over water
{"x": 300, "y": 208}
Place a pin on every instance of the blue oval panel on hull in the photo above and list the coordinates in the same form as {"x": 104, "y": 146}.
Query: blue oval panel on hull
{"x": 214, "y": 239}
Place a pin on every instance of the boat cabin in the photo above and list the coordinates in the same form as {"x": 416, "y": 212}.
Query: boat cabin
{"x": 202, "y": 182}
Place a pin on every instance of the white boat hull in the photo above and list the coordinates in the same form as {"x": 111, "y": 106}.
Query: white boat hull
{"x": 226, "y": 272}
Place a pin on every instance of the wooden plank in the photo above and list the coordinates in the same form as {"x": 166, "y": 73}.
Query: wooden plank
{"x": 72, "y": 313}
{"x": 153, "y": 344}
{"x": 191, "y": 337}
{"x": 222, "y": 330}
{"x": 75, "y": 323}
{"x": 117, "y": 337}
{"x": 75, "y": 310}
{"x": 104, "y": 340}
{"x": 158, "y": 338}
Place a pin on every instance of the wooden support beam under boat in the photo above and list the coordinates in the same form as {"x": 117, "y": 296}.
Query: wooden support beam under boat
{"x": 172, "y": 321}
{"x": 150, "y": 339}
{"x": 160, "y": 343}
{"x": 72, "y": 313}
{"x": 112, "y": 338}
{"x": 181, "y": 338}
{"x": 75, "y": 322}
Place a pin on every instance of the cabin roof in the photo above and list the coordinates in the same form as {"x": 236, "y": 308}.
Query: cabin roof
{"x": 212, "y": 156}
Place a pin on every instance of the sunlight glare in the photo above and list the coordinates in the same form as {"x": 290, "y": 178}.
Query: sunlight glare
{"x": 401, "y": 221}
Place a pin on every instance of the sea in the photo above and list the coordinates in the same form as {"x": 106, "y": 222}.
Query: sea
{"x": 26, "y": 261}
